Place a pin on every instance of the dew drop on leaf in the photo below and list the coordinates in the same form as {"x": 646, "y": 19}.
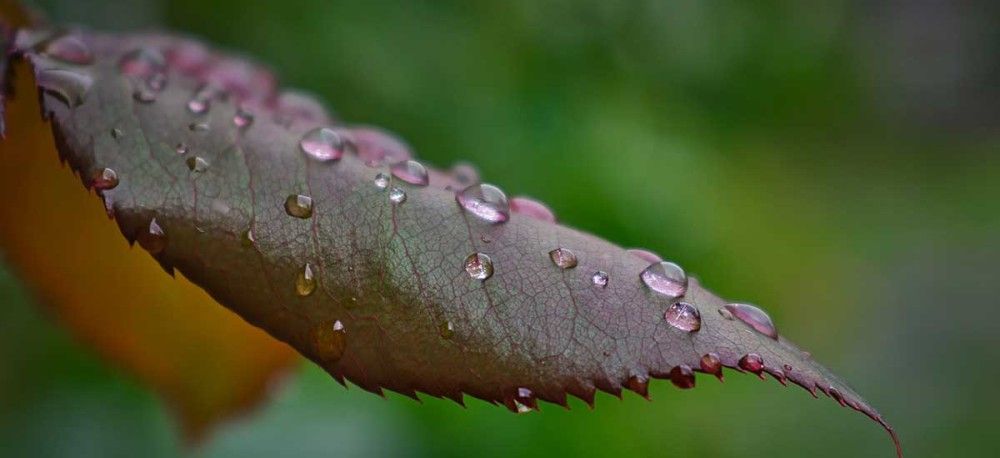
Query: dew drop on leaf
{"x": 447, "y": 330}
{"x": 397, "y": 196}
{"x": 70, "y": 87}
{"x": 682, "y": 376}
{"x": 299, "y": 206}
{"x": 322, "y": 144}
{"x": 638, "y": 384}
{"x": 196, "y": 164}
{"x": 563, "y": 258}
{"x": 599, "y": 279}
{"x": 486, "y": 202}
{"x": 411, "y": 172}
{"x": 153, "y": 239}
{"x": 479, "y": 266}
{"x": 665, "y": 278}
{"x": 105, "y": 179}
{"x": 711, "y": 364}
{"x": 305, "y": 281}
{"x": 329, "y": 340}
{"x": 683, "y": 316}
{"x": 381, "y": 181}
{"x": 752, "y": 362}
{"x": 753, "y": 317}
{"x": 69, "y": 49}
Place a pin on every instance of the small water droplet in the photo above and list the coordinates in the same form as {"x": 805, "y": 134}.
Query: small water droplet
{"x": 411, "y": 172}
{"x": 381, "y": 181}
{"x": 447, "y": 330}
{"x": 181, "y": 148}
{"x": 639, "y": 384}
{"x": 683, "y": 316}
{"x": 196, "y": 164}
{"x": 329, "y": 340}
{"x": 532, "y": 209}
{"x": 143, "y": 62}
{"x": 479, "y": 266}
{"x": 198, "y": 126}
{"x": 69, "y": 49}
{"x": 305, "y": 281}
{"x": 247, "y": 239}
{"x": 153, "y": 239}
{"x": 752, "y": 362}
{"x": 665, "y": 278}
{"x": 117, "y": 133}
{"x": 523, "y": 401}
{"x": 144, "y": 96}
{"x": 682, "y": 376}
{"x": 486, "y": 202}
{"x": 323, "y": 144}
{"x": 563, "y": 258}
{"x": 755, "y": 318}
{"x": 645, "y": 255}
{"x": 600, "y": 279}
{"x": 70, "y": 87}
{"x": 397, "y": 196}
{"x": 105, "y": 179}
{"x": 242, "y": 118}
{"x": 711, "y": 364}
{"x": 299, "y": 206}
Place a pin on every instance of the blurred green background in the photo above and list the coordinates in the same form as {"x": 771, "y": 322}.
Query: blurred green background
{"x": 838, "y": 164}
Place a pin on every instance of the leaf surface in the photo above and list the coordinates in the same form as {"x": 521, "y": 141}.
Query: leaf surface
{"x": 378, "y": 278}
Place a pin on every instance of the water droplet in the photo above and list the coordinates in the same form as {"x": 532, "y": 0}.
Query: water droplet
{"x": 305, "y": 281}
{"x": 105, "y": 179}
{"x": 144, "y": 96}
{"x": 329, "y": 340}
{"x": 683, "y": 316}
{"x": 117, "y": 133}
{"x": 725, "y": 314}
{"x": 411, "y": 172}
{"x": 196, "y": 164}
{"x": 665, "y": 278}
{"x": 181, "y": 148}
{"x": 247, "y": 239}
{"x": 645, "y": 255}
{"x": 143, "y": 62}
{"x": 599, "y": 279}
{"x": 397, "y": 196}
{"x": 711, "y": 364}
{"x": 70, "y": 87}
{"x": 299, "y": 206}
{"x": 242, "y": 118}
{"x": 752, "y": 362}
{"x": 153, "y": 239}
{"x": 479, "y": 266}
{"x": 563, "y": 258}
{"x": 486, "y": 202}
{"x": 523, "y": 401}
{"x": 755, "y": 318}
{"x": 682, "y": 376}
{"x": 639, "y": 384}
{"x": 198, "y": 126}
{"x": 69, "y": 49}
{"x": 323, "y": 144}
{"x": 532, "y": 209}
{"x": 381, "y": 181}
{"x": 447, "y": 330}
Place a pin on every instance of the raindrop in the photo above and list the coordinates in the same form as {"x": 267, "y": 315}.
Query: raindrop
{"x": 198, "y": 127}
{"x": 486, "y": 202}
{"x": 645, "y": 255}
{"x": 153, "y": 239}
{"x": 299, "y": 206}
{"x": 247, "y": 239}
{"x": 411, "y": 172}
{"x": 599, "y": 279}
{"x": 69, "y": 49}
{"x": 69, "y": 86}
{"x": 682, "y": 376}
{"x": 683, "y": 316}
{"x": 447, "y": 330}
{"x": 479, "y": 266}
{"x": 381, "y": 181}
{"x": 665, "y": 278}
{"x": 523, "y": 401}
{"x": 323, "y": 144}
{"x": 754, "y": 317}
{"x": 105, "y": 179}
{"x": 196, "y": 164}
{"x": 143, "y": 62}
{"x": 242, "y": 118}
{"x": 752, "y": 362}
{"x": 532, "y": 209}
{"x": 397, "y": 196}
{"x": 305, "y": 281}
{"x": 563, "y": 258}
{"x": 711, "y": 364}
{"x": 329, "y": 340}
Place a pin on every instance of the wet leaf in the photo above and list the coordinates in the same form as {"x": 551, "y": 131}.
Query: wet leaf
{"x": 393, "y": 276}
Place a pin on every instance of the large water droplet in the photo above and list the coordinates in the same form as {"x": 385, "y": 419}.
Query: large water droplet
{"x": 683, "y": 316}
{"x": 299, "y": 206}
{"x": 755, "y": 318}
{"x": 381, "y": 181}
{"x": 329, "y": 340}
{"x": 447, "y": 330}
{"x": 70, "y": 87}
{"x": 522, "y": 401}
{"x": 711, "y": 364}
{"x": 682, "y": 376}
{"x": 143, "y": 62}
{"x": 564, "y": 258}
{"x": 305, "y": 281}
{"x": 196, "y": 164}
{"x": 397, "y": 196}
{"x": 323, "y": 144}
{"x": 752, "y": 362}
{"x": 243, "y": 118}
{"x": 153, "y": 239}
{"x": 645, "y": 255}
{"x": 105, "y": 179}
{"x": 486, "y": 202}
{"x": 532, "y": 209}
{"x": 599, "y": 279}
{"x": 479, "y": 266}
{"x": 411, "y": 172}
{"x": 69, "y": 49}
{"x": 665, "y": 278}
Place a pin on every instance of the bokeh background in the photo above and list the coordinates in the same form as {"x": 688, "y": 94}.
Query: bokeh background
{"x": 838, "y": 164}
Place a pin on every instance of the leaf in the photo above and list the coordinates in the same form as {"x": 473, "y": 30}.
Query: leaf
{"x": 204, "y": 360}
{"x": 328, "y": 241}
